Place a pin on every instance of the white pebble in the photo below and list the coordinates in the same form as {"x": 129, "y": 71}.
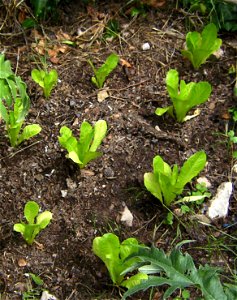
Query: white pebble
{"x": 220, "y": 202}
{"x": 204, "y": 180}
{"x": 146, "y": 46}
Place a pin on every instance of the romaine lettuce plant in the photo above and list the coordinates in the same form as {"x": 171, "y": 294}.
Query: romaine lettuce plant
{"x": 184, "y": 96}
{"x": 84, "y": 150}
{"x": 113, "y": 253}
{"x": 166, "y": 183}
{"x": 201, "y": 46}
{"x": 36, "y": 222}
{"x": 14, "y": 125}
{"x": 46, "y": 80}
{"x": 14, "y": 105}
{"x": 177, "y": 271}
{"x": 11, "y": 87}
{"x": 103, "y": 72}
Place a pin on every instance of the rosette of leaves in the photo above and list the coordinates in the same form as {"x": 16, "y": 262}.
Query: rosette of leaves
{"x": 103, "y": 72}
{"x": 14, "y": 105}
{"x": 83, "y": 150}
{"x": 113, "y": 253}
{"x": 11, "y": 88}
{"x": 36, "y": 222}
{"x": 166, "y": 183}
{"x": 184, "y": 96}
{"x": 46, "y": 80}
{"x": 201, "y": 45}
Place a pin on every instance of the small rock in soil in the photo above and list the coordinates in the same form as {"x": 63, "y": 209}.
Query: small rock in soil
{"x": 220, "y": 202}
{"x": 108, "y": 173}
{"x": 127, "y": 217}
{"x": 146, "y": 46}
{"x": 64, "y": 193}
{"x": 202, "y": 180}
{"x": 47, "y": 296}
{"x": 71, "y": 184}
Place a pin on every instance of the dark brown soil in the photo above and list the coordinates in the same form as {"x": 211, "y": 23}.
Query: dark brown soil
{"x": 94, "y": 198}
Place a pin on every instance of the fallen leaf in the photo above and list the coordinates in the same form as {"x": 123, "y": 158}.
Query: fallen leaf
{"x": 39, "y": 245}
{"x": 63, "y": 48}
{"x": 52, "y": 52}
{"x": 54, "y": 60}
{"x": 155, "y": 3}
{"x": 86, "y": 173}
{"x": 35, "y": 34}
{"x": 125, "y": 63}
{"x": 62, "y": 36}
{"x": 21, "y": 16}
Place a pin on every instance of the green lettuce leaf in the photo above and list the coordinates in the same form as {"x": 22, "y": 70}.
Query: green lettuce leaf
{"x": 201, "y": 46}
{"x": 186, "y": 96}
{"x": 84, "y": 150}
{"x": 113, "y": 253}
{"x": 103, "y": 72}
{"x": 166, "y": 183}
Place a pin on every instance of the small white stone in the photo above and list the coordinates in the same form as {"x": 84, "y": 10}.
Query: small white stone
{"x": 234, "y": 168}
{"x": 146, "y": 46}
{"x": 220, "y": 202}
{"x": 127, "y": 217}
{"x": 64, "y": 193}
{"x": 47, "y": 296}
{"x": 157, "y": 128}
{"x": 203, "y": 179}
{"x": 71, "y": 184}
{"x": 219, "y": 53}
{"x": 102, "y": 95}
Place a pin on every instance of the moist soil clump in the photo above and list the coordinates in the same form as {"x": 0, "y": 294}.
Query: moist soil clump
{"x": 89, "y": 202}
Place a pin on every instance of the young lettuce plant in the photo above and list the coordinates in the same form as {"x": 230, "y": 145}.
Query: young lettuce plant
{"x": 14, "y": 105}
{"x": 103, "y": 72}
{"x": 46, "y": 80}
{"x": 183, "y": 97}
{"x": 14, "y": 125}
{"x": 113, "y": 253}
{"x": 166, "y": 183}
{"x": 36, "y": 222}
{"x": 177, "y": 271}
{"x": 11, "y": 87}
{"x": 201, "y": 46}
{"x": 84, "y": 150}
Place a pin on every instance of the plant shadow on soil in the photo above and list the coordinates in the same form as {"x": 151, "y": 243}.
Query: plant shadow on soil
{"x": 89, "y": 203}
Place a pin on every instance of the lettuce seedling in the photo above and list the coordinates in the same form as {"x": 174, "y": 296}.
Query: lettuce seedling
{"x": 201, "y": 46}
{"x": 36, "y": 222}
{"x": 113, "y": 253}
{"x": 84, "y": 150}
{"x": 46, "y": 80}
{"x": 11, "y": 88}
{"x": 14, "y": 125}
{"x": 103, "y": 72}
{"x": 14, "y": 105}
{"x": 184, "y": 96}
{"x": 166, "y": 183}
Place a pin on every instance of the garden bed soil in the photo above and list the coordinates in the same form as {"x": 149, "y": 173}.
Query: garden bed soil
{"x": 89, "y": 203}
